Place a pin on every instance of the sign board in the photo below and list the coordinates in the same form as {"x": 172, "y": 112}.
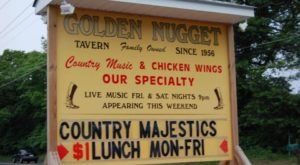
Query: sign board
{"x": 140, "y": 89}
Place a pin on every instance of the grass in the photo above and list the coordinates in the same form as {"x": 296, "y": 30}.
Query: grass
{"x": 5, "y": 158}
{"x": 194, "y": 163}
{"x": 262, "y": 156}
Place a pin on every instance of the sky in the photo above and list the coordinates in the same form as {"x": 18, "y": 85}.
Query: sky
{"x": 22, "y": 29}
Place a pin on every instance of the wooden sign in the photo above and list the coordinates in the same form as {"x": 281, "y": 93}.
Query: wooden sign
{"x": 135, "y": 89}
{"x": 138, "y": 89}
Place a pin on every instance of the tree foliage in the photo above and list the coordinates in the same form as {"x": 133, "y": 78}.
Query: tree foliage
{"x": 268, "y": 112}
{"x": 22, "y": 100}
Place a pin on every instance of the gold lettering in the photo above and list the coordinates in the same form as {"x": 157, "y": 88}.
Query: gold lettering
{"x": 171, "y": 32}
{"x": 103, "y": 27}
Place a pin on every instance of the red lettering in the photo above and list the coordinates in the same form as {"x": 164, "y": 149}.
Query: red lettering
{"x": 164, "y": 80}
{"x": 114, "y": 64}
{"x": 114, "y": 78}
{"x": 69, "y": 62}
{"x": 219, "y": 69}
{"x": 72, "y": 63}
{"x": 178, "y": 67}
{"x": 208, "y": 68}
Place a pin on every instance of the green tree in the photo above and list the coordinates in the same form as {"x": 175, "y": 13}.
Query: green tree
{"x": 22, "y": 100}
{"x": 268, "y": 111}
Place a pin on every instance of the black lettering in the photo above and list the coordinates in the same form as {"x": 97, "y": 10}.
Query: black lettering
{"x": 204, "y": 131}
{"x": 174, "y": 147}
{"x": 127, "y": 128}
{"x": 196, "y": 147}
{"x": 178, "y": 51}
{"x": 86, "y": 134}
{"x": 212, "y": 126}
{"x": 116, "y": 149}
{"x": 94, "y": 156}
{"x": 106, "y": 124}
{"x": 135, "y": 150}
{"x": 77, "y": 43}
{"x": 106, "y": 150}
{"x": 190, "y": 123}
{"x": 124, "y": 149}
{"x": 187, "y": 146}
{"x": 197, "y": 129}
{"x": 172, "y": 129}
{"x": 145, "y": 131}
{"x": 202, "y": 147}
{"x": 117, "y": 130}
{"x": 182, "y": 131}
{"x": 75, "y": 130}
{"x": 154, "y": 149}
{"x": 155, "y": 131}
{"x": 166, "y": 133}
{"x": 61, "y": 132}
{"x": 97, "y": 131}
{"x": 165, "y": 148}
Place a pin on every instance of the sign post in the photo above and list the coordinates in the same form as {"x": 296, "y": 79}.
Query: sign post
{"x": 140, "y": 89}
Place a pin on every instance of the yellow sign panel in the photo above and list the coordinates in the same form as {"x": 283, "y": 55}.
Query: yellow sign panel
{"x": 137, "y": 89}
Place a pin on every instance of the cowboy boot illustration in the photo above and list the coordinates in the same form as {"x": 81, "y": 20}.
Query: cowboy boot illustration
{"x": 220, "y": 99}
{"x": 70, "y": 95}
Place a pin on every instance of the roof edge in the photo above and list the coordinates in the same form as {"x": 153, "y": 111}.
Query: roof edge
{"x": 234, "y": 13}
